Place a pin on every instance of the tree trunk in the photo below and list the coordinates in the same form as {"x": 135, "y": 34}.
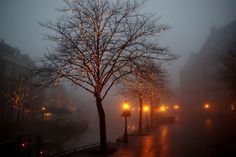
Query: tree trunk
{"x": 140, "y": 114}
{"x": 151, "y": 116}
{"x": 102, "y": 123}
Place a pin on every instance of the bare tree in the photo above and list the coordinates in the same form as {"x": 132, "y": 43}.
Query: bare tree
{"x": 145, "y": 83}
{"x": 134, "y": 86}
{"x": 97, "y": 41}
{"x": 156, "y": 83}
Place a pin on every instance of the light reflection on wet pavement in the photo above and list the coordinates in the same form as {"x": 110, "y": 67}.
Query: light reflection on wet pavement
{"x": 190, "y": 137}
{"x": 202, "y": 137}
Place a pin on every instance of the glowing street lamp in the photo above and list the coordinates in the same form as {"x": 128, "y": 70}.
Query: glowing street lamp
{"x": 24, "y": 145}
{"x": 206, "y": 106}
{"x": 176, "y": 107}
{"x": 43, "y": 110}
{"x": 40, "y": 144}
{"x": 162, "y": 109}
{"x": 146, "y": 109}
{"x": 125, "y": 114}
{"x": 126, "y": 106}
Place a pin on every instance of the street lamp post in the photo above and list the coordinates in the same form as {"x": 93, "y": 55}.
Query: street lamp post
{"x": 146, "y": 109}
{"x": 125, "y": 114}
{"x": 43, "y": 109}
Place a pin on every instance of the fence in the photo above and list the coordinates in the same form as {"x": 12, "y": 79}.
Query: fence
{"x": 76, "y": 149}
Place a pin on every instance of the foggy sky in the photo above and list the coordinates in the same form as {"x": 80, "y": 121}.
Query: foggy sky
{"x": 190, "y": 22}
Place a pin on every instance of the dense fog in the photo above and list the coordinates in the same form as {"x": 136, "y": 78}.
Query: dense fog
{"x": 198, "y": 28}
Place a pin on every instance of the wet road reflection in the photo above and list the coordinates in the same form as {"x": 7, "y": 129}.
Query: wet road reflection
{"x": 190, "y": 137}
{"x": 148, "y": 146}
{"x": 164, "y": 144}
{"x": 209, "y": 124}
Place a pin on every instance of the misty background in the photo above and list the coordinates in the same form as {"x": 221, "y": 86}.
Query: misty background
{"x": 190, "y": 22}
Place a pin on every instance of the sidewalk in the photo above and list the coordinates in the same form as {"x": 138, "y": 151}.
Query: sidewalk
{"x": 137, "y": 146}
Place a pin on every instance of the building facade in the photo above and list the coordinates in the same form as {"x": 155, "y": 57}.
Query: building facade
{"x": 200, "y": 77}
{"x": 15, "y": 73}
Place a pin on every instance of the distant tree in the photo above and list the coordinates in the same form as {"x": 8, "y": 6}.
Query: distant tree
{"x": 156, "y": 86}
{"x": 18, "y": 98}
{"x": 134, "y": 86}
{"x": 97, "y": 41}
{"x": 145, "y": 83}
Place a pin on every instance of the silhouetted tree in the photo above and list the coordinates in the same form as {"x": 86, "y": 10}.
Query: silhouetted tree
{"x": 97, "y": 41}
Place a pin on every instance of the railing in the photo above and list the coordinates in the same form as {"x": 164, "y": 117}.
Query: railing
{"x": 73, "y": 150}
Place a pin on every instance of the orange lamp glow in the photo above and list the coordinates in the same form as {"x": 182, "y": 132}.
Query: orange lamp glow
{"x": 126, "y": 106}
{"x": 146, "y": 108}
{"x": 24, "y": 144}
{"x": 176, "y": 107}
{"x": 206, "y": 106}
{"x": 41, "y": 152}
{"x": 43, "y": 108}
{"x": 162, "y": 109}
